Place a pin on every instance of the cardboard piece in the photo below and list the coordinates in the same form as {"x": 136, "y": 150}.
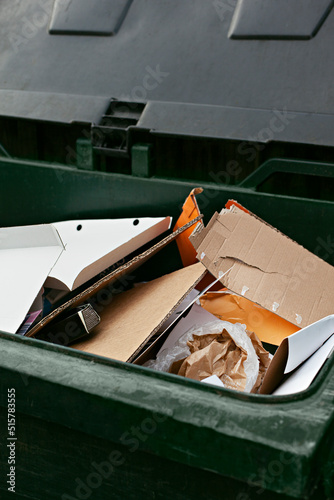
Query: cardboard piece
{"x": 294, "y": 351}
{"x": 91, "y": 246}
{"x": 63, "y": 255}
{"x": 186, "y": 313}
{"x": 302, "y": 378}
{"x": 133, "y": 317}
{"x": 190, "y": 211}
{"x": 112, "y": 277}
{"x": 266, "y": 266}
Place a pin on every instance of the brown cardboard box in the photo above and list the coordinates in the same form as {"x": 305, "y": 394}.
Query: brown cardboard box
{"x": 266, "y": 266}
{"x": 133, "y": 317}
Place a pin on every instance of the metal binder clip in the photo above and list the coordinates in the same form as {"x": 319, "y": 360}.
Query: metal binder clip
{"x": 70, "y": 326}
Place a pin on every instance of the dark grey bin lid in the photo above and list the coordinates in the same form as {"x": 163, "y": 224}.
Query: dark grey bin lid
{"x": 220, "y": 68}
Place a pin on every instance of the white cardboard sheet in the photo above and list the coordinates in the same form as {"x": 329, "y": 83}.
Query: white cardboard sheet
{"x": 304, "y": 376}
{"x": 27, "y": 255}
{"x": 305, "y": 342}
{"x": 63, "y": 255}
{"x": 91, "y": 246}
{"x": 213, "y": 380}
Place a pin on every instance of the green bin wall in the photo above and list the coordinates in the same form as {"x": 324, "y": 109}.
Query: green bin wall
{"x": 156, "y": 435}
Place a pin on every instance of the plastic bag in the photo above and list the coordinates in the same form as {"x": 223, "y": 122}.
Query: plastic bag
{"x": 237, "y": 332}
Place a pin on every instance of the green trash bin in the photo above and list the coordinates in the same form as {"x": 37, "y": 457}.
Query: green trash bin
{"x": 119, "y": 110}
{"x": 90, "y": 427}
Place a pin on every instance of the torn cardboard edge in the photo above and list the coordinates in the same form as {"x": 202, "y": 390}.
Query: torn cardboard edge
{"x": 157, "y": 328}
{"x": 146, "y": 355}
{"x": 271, "y": 269}
{"x": 190, "y": 206}
{"x": 112, "y": 277}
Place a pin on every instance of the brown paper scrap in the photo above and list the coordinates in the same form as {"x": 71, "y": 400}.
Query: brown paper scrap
{"x": 218, "y": 354}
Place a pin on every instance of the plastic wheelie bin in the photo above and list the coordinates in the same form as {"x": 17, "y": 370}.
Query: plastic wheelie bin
{"x": 118, "y": 108}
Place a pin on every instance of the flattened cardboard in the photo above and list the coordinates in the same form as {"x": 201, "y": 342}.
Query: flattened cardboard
{"x": 91, "y": 246}
{"x": 111, "y": 278}
{"x": 133, "y": 317}
{"x": 267, "y": 267}
{"x": 176, "y": 324}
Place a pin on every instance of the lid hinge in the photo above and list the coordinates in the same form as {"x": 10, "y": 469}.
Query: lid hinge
{"x": 111, "y": 136}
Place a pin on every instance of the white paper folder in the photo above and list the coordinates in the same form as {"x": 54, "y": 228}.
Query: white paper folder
{"x": 63, "y": 255}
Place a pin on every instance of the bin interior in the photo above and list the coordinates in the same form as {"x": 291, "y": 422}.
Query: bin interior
{"x": 123, "y": 119}
{"x": 67, "y": 390}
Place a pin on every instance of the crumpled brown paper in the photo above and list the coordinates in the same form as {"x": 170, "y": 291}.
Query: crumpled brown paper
{"x": 218, "y": 354}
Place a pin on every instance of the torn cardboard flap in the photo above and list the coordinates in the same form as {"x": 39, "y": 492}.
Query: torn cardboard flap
{"x": 133, "y": 317}
{"x": 267, "y": 267}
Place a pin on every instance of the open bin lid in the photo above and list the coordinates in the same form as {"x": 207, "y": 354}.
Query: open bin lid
{"x": 208, "y": 69}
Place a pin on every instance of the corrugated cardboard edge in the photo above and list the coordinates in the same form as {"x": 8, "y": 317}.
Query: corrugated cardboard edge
{"x": 232, "y": 202}
{"x": 237, "y": 208}
{"x": 200, "y": 232}
{"x": 146, "y": 355}
{"x": 113, "y": 276}
{"x": 192, "y": 195}
{"x": 156, "y": 329}
{"x": 275, "y": 372}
